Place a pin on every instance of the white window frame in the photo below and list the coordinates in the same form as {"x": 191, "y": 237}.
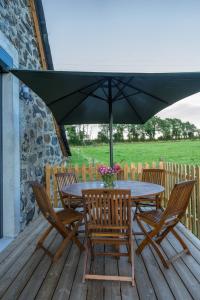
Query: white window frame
{"x": 11, "y": 145}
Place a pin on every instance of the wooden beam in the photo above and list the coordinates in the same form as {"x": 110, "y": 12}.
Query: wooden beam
{"x": 38, "y": 36}
{"x": 60, "y": 139}
{"x": 108, "y": 277}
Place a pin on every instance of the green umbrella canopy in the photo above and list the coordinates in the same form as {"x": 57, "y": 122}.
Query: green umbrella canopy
{"x": 83, "y": 97}
{"x": 97, "y": 97}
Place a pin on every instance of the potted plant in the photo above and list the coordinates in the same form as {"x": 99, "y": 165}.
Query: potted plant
{"x": 109, "y": 174}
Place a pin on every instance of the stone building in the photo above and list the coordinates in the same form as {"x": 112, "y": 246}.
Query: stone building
{"x": 28, "y": 138}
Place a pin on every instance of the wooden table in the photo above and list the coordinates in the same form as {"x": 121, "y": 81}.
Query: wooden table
{"x": 138, "y": 189}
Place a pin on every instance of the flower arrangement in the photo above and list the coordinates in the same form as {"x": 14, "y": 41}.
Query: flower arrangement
{"x": 108, "y": 174}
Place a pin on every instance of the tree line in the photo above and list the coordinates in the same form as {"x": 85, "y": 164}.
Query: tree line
{"x": 154, "y": 129}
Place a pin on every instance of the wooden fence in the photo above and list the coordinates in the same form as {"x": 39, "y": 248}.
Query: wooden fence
{"x": 174, "y": 173}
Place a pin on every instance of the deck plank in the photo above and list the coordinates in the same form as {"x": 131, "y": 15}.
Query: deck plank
{"x": 96, "y": 288}
{"x": 31, "y": 275}
{"x": 66, "y": 279}
{"x": 111, "y": 288}
{"x": 161, "y": 287}
{"x": 179, "y": 290}
{"x": 30, "y": 229}
{"x": 189, "y": 235}
{"x": 79, "y": 289}
{"x": 189, "y": 260}
{"x": 8, "y": 276}
{"x": 174, "y": 281}
{"x": 23, "y": 277}
{"x": 50, "y": 283}
{"x": 159, "y": 283}
{"x": 187, "y": 277}
{"x": 127, "y": 291}
{"x": 194, "y": 250}
{"x": 11, "y": 259}
{"x": 39, "y": 273}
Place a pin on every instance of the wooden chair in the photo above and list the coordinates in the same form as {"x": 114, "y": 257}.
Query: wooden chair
{"x": 108, "y": 221}
{"x": 66, "y": 222}
{"x": 120, "y": 175}
{"x": 63, "y": 180}
{"x": 163, "y": 222}
{"x": 156, "y": 176}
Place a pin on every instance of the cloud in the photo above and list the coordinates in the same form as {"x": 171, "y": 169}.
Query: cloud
{"x": 186, "y": 110}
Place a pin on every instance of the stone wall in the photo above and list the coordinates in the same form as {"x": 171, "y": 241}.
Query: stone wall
{"x": 38, "y": 139}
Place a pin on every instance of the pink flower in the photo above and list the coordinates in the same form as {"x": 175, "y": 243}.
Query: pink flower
{"x": 117, "y": 168}
{"x": 104, "y": 170}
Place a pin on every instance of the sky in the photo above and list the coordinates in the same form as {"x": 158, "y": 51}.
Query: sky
{"x": 128, "y": 36}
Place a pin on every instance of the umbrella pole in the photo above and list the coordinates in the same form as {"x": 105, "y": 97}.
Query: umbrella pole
{"x": 110, "y": 121}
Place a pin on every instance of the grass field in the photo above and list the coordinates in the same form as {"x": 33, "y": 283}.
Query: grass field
{"x": 187, "y": 151}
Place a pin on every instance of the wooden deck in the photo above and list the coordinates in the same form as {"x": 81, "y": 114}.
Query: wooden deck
{"x": 28, "y": 274}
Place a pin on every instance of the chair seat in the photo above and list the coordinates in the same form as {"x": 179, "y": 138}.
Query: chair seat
{"x": 153, "y": 216}
{"x": 57, "y": 209}
{"x": 75, "y": 202}
{"x": 148, "y": 198}
{"x": 66, "y": 196}
{"x": 69, "y": 216}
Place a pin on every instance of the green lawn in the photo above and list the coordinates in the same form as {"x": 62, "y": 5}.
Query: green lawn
{"x": 187, "y": 151}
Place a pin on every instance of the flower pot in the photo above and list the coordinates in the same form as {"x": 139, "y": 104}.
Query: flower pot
{"x": 108, "y": 180}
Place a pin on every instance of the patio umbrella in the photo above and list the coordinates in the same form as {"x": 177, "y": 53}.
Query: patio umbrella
{"x": 97, "y": 97}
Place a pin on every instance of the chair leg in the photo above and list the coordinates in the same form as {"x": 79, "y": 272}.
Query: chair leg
{"x": 149, "y": 240}
{"x": 62, "y": 248}
{"x": 160, "y": 254}
{"x": 163, "y": 235}
{"x": 78, "y": 243}
{"x": 183, "y": 244}
{"x": 132, "y": 263}
{"x": 75, "y": 239}
{"x": 136, "y": 210}
{"x": 43, "y": 237}
{"x": 158, "y": 202}
{"x": 145, "y": 242}
{"x": 85, "y": 259}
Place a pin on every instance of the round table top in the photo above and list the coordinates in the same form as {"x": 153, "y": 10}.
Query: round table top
{"x": 138, "y": 188}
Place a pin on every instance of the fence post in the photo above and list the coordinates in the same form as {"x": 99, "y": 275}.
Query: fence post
{"x": 198, "y": 200}
{"x": 132, "y": 172}
{"x": 48, "y": 180}
{"x": 139, "y": 169}
{"x": 83, "y": 172}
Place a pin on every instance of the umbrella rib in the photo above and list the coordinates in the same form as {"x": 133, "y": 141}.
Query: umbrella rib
{"x": 133, "y": 108}
{"x": 121, "y": 89}
{"x": 103, "y": 89}
{"x": 72, "y": 93}
{"x": 136, "y": 93}
{"x": 93, "y": 95}
{"x": 77, "y": 105}
{"x": 142, "y": 91}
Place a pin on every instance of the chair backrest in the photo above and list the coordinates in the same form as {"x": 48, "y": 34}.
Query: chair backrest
{"x": 120, "y": 175}
{"x": 107, "y": 208}
{"x": 46, "y": 208}
{"x": 179, "y": 200}
{"x": 156, "y": 176}
{"x": 65, "y": 179}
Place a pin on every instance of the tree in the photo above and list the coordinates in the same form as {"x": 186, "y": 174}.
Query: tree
{"x": 133, "y": 132}
{"x": 118, "y": 135}
{"x": 165, "y": 129}
{"x": 81, "y": 134}
{"x": 71, "y": 134}
{"x": 151, "y": 127}
{"x": 189, "y": 130}
{"x": 103, "y": 134}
